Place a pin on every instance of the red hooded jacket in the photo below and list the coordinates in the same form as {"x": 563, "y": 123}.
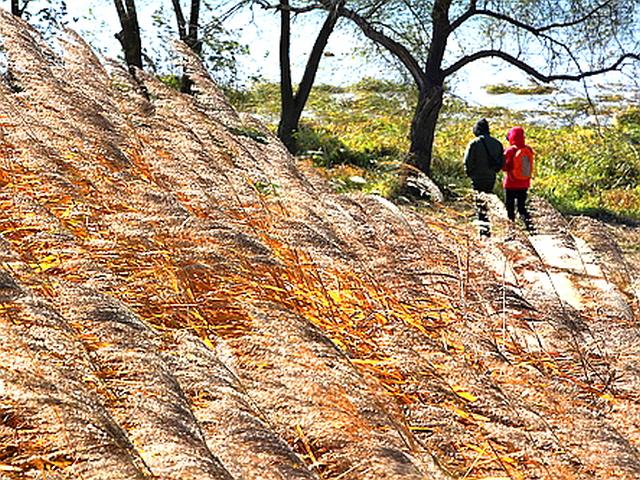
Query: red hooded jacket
{"x": 516, "y": 140}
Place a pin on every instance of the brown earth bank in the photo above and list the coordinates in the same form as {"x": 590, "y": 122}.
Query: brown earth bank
{"x": 181, "y": 299}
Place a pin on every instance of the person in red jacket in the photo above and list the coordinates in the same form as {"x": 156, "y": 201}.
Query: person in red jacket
{"x": 518, "y": 178}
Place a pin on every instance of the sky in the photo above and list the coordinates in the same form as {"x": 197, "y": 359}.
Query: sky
{"x": 97, "y": 20}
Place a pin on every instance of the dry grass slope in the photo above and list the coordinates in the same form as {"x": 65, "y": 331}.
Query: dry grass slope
{"x": 179, "y": 300}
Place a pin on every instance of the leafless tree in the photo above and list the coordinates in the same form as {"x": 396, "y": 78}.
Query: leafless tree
{"x": 292, "y": 104}
{"x": 188, "y": 31}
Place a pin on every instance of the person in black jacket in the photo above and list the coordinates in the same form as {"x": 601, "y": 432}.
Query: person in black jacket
{"x": 484, "y": 158}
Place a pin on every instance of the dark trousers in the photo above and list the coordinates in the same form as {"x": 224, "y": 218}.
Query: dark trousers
{"x": 519, "y": 197}
{"x": 482, "y": 209}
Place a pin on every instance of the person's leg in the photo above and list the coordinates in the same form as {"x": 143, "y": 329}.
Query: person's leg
{"x": 510, "y": 203}
{"x": 523, "y": 211}
{"x": 482, "y": 209}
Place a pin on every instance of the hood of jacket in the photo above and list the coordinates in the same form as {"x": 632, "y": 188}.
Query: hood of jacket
{"x": 481, "y": 128}
{"x": 516, "y": 137}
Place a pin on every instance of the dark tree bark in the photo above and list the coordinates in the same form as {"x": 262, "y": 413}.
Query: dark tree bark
{"x": 423, "y": 128}
{"x": 288, "y": 124}
{"x": 189, "y": 34}
{"x": 429, "y": 80}
{"x": 423, "y": 125}
{"x": 292, "y": 104}
{"x": 17, "y": 10}
{"x": 129, "y": 36}
{"x": 192, "y": 38}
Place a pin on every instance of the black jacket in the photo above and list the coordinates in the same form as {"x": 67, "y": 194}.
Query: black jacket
{"x": 480, "y": 162}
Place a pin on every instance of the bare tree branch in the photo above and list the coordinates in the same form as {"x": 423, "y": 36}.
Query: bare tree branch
{"x": 396, "y": 48}
{"x": 286, "y": 6}
{"x": 473, "y": 11}
{"x": 416, "y": 16}
{"x": 516, "y": 62}
{"x": 577, "y": 21}
{"x": 374, "y": 8}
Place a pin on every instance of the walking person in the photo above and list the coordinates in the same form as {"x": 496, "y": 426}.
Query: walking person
{"x": 518, "y": 166}
{"x": 483, "y": 159}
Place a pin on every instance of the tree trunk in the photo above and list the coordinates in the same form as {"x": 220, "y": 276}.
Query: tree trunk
{"x": 288, "y": 128}
{"x": 193, "y": 42}
{"x": 192, "y": 38}
{"x": 129, "y": 36}
{"x": 189, "y": 35}
{"x": 288, "y": 124}
{"x": 423, "y": 128}
{"x": 292, "y": 106}
{"x": 15, "y": 8}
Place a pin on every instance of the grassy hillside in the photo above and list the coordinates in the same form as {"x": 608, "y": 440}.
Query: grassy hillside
{"x": 361, "y": 132}
{"x": 181, "y": 299}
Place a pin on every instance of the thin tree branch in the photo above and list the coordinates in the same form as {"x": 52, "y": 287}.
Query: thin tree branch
{"x": 403, "y": 55}
{"x": 416, "y": 16}
{"x": 525, "y": 67}
{"x": 235, "y": 9}
{"x": 374, "y": 8}
{"x": 289, "y": 8}
{"x": 577, "y": 21}
{"x": 473, "y": 11}
{"x": 470, "y": 12}
{"x": 25, "y": 4}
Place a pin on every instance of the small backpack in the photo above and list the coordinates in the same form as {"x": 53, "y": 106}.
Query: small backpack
{"x": 523, "y": 163}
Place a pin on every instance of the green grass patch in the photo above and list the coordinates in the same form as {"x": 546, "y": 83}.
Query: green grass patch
{"x": 359, "y": 135}
{"x": 171, "y": 81}
{"x": 252, "y": 133}
{"x": 501, "y": 89}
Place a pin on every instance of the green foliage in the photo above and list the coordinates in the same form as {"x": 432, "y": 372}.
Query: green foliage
{"x": 266, "y": 188}
{"x": 252, "y": 133}
{"x": 581, "y": 170}
{"x": 327, "y": 150}
{"x": 519, "y": 90}
{"x": 610, "y": 97}
{"x": 628, "y": 121}
{"x": 359, "y": 135}
{"x": 171, "y": 81}
{"x": 576, "y": 105}
{"x": 261, "y": 98}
